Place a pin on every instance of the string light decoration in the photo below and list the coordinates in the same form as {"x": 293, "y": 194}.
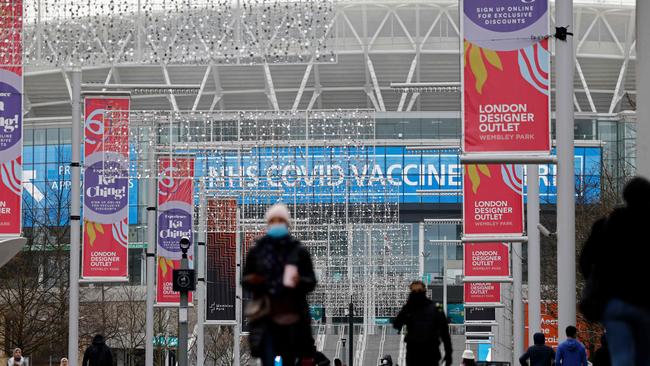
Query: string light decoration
{"x": 321, "y": 164}
{"x": 65, "y": 33}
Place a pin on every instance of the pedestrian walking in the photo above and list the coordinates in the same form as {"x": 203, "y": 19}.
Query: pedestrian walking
{"x": 386, "y": 360}
{"x": 17, "y": 358}
{"x": 602, "y": 356}
{"x": 98, "y": 353}
{"x": 426, "y": 325}
{"x": 280, "y": 274}
{"x": 612, "y": 295}
{"x": 468, "y": 358}
{"x": 539, "y": 354}
{"x": 571, "y": 352}
{"x": 63, "y": 362}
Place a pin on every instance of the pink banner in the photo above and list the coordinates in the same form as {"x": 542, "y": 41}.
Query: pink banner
{"x": 506, "y": 76}
{"x": 482, "y": 292}
{"x": 11, "y": 117}
{"x": 105, "y": 250}
{"x": 175, "y": 212}
{"x": 493, "y": 201}
{"x": 486, "y": 260}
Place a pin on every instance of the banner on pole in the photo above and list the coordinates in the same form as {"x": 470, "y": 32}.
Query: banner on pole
{"x": 493, "y": 199}
{"x": 175, "y": 212}
{"x": 506, "y": 76}
{"x": 486, "y": 260}
{"x": 221, "y": 260}
{"x": 11, "y": 117}
{"x": 105, "y": 248}
{"x": 482, "y": 292}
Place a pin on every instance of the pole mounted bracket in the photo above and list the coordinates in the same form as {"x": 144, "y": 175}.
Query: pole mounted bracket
{"x": 562, "y": 33}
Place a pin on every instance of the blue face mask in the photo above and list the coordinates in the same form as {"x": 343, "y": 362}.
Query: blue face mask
{"x": 277, "y": 231}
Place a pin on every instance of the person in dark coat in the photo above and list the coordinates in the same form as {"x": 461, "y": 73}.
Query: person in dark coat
{"x": 426, "y": 325}
{"x": 613, "y": 261}
{"x": 539, "y": 354}
{"x": 280, "y": 274}
{"x": 98, "y": 353}
{"x": 601, "y": 356}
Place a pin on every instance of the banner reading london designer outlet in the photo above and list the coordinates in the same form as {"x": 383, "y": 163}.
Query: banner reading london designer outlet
{"x": 482, "y": 292}
{"x": 11, "y": 116}
{"x": 506, "y": 76}
{"x": 175, "y": 209}
{"x": 486, "y": 260}
{"x": 493, "y": 200}
{"x": 105, "y": 251}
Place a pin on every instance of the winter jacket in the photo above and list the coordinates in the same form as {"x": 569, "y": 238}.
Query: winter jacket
{"x": 539, "y": 354}
{"x": 426, "y": 324}
{"x": 571, "y": 353}
{"x": 264, "y": 269}
{"x": 12, "y": 361}
{"x": 608, "y": 272}
{"x": 98, "y": 353}
{"x": 262, "y": 276}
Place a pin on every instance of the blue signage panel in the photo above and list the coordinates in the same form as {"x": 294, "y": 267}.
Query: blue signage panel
{"x": 307, "y": 175}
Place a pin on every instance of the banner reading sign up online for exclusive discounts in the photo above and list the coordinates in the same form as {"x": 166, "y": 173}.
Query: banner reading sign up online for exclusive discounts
{"x": 494, "y": 199}
{"x": 105, "y": 253}
{"x": 506, "y": 76}
{"x": 11, "y": 116}
{"x": 175, "y": 209}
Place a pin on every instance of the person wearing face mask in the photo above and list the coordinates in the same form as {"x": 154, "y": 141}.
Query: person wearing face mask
{"x": 17, "y": 358}
{"x": 280, "y": 274}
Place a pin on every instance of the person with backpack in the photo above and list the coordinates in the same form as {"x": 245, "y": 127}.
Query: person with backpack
{"x": 426, "y": 325}
{"x": 98, "y": 353}
{"x": 539, "y": 354}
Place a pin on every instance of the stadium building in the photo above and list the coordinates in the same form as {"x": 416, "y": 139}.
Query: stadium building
{"x": 342, "y": 63}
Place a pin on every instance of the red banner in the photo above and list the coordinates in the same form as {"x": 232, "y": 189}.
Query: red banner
{"x": 11, "y": 117}
{"x": 506, "y": 76}
{"x": 486, "y": 260}
{"x": 493, "y": 201}
{"x": 105, "y": 250}
{"x": 482, "y": 292}
{"x": 175, "y": 213}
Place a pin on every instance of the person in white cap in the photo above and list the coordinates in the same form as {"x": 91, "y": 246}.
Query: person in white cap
{"x": 280, "y": 274}
{"x": 468, "y": 358}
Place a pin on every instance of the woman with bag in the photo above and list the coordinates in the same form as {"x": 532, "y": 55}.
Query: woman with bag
{"x": 280, "y": 274}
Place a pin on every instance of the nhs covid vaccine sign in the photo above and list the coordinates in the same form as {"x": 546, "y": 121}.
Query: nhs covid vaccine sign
{"x": 309, "y": 175}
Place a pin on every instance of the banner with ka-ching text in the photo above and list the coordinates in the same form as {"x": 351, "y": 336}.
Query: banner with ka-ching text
{"x": 494, "y": 200}
{"x": 105, "y": 250}
{"x": 506, "y": 76}
{"x": 11, "y": 117}
{"x": 175, "y": 212}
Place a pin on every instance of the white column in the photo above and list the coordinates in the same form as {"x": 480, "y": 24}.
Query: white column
{"x": 566, "y": 264}
{"x": 421, "y": 251}
{"x": 643, "y": 88}
{"x": 152, "y": 199}
{"x": 200, "y": 286}
{"x": 534, "y": 260}
{"x": 517, "y": 304}
{"x": 238, "y": 291}
{"x": 75, "y": 220}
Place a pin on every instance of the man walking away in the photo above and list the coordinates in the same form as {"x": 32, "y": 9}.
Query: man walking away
{"x": 98, "y": 353}
{"x": 426, "y": 324}
{"x": 539, "y": 354}
{"x": 571, "y": 352}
